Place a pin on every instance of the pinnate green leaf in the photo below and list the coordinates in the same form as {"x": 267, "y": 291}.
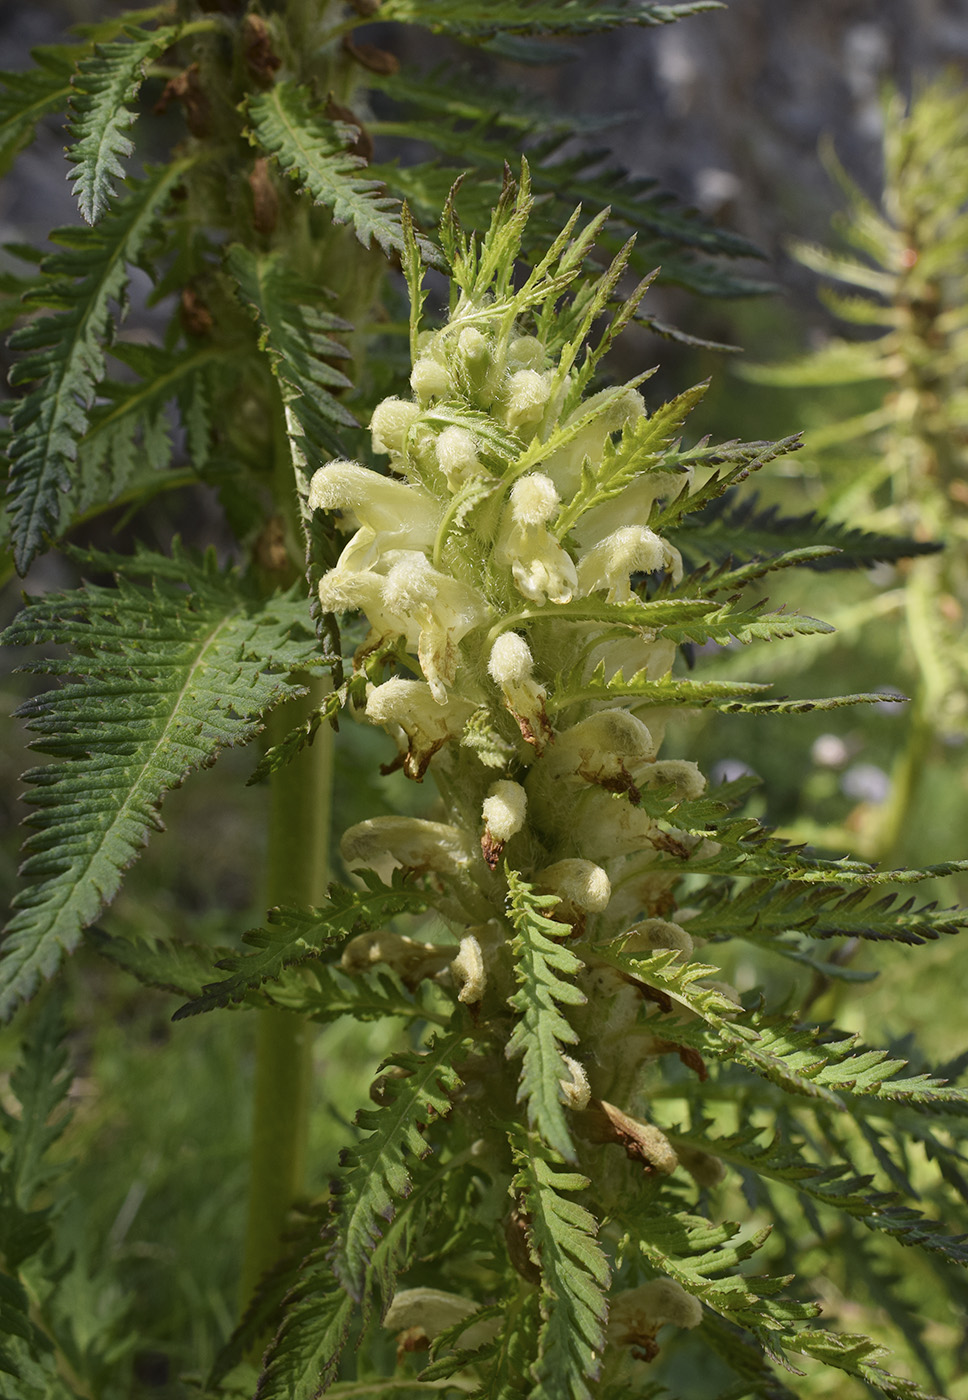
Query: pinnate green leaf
{"x": 102, "y": 88}
{"x": 167, "y": 676}
{"x": 377, "y": 1171}
{"x": 64, "y": 354}
{"x": 574, "y": 1273}
{"x": 542, "y": 968}
{"x": 292, "y": 935}
{"x": 553, "y": 17}
{"x": 28, "y": 96}
{"x": 312, "y": 150}
{"x": 296, "y": 333}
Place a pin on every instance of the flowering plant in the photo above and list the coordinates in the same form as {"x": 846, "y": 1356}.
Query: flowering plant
{"x": 540, "y": 1199}
{"x": 521, "y": 640}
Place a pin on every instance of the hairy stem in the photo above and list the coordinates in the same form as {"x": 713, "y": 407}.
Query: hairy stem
{"x": 299, "y": 816}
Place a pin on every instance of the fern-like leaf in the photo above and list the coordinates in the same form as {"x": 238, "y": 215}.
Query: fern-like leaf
{"x": 182, "y": 968}
{"x": 304, "y": 1358}
{"x": 833, "y": 1186}
{"x": 39, "y": 1084}
{"x": 26, "y": 97}
{"x": 312, "y": 151}
{"x": 680, "y": 619}
{"x": 541, "y": 967}
{"x": 733, "y": 697}
{"x": 706, "y": 1260}
{"x": 552, "y": 17}
{"x": 64, "y": 356}
{"x": 765, "y": 910}
{"x": 377, "y": 1170}
{"x": 858, "y": 1356}
{"x": 574, "y": 1273}
{"x": 103, "y": 86}
{"x": 798, "y": 1058}
{"x": 128, "y": 439}
{"x": 728, "y": 531}
{"x": 640, "y": 449}
{"x": 168, "y": 678}
{"x": 293, "y": 935}
{"x": 296, "y": 333}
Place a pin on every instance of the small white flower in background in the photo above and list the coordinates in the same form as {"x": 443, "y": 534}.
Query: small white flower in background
{"x": 636, "y": 1315}
{"x": 433, "y": 1312}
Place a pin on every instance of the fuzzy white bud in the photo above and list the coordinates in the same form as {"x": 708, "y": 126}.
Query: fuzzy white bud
{"x": 581, "y": 882}
{"x": 457, "y": 456}
{"x": 528, "y": 393}
{"x": 632, "y": 549}
{"x": 510, "y": 662}
{"x": 534, "y": 499}
{"x": 469, "y": 970}
{"x": 390, "y": 423}
{"x": 652, "y": 935}
{"x": 472, "y": 344}
{"x": 434, "y": 1312}
{"x": 526, "y": 352}
{"x": 430, "y": 379}
{"x": 637, "y": 1315}
{"x": 504, "y": 810}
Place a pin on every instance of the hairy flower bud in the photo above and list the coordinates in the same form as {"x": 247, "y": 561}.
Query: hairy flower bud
{"x": 633, "y": 549}
{"x": 653, "y": 934}
{"x": 511, "y": 664}
{"x": 433, "y": 1312}
{"x": 580, "y": 882}
{"x": 384, "y": 843}
{"x": 469, "y": 970}
{"x": 410, "y": 960}
{"x": 606, "y": 749}
{"x": 540, "y": 566}
{"x": 575, "y": 1092}
{"x": 410, "y": 706}
{"x": 503, "y": 810}
{"x": 636, "y": 1315}
{"x": 457, "y": 456}
{"x": 391, "y": 421}
{"x": 528, "y": 394}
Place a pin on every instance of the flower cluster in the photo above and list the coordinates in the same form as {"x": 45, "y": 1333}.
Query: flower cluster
{"x": 501, "y": 564}
{"x": 459, "y": 564}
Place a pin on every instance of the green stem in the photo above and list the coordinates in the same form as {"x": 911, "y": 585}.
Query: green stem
{"x": 299, "y": 816}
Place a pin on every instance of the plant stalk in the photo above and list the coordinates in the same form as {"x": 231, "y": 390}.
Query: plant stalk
{"x": 299, "y": 820}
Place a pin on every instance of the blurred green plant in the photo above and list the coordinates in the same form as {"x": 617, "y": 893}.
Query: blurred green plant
{"x": 902, "y": 462}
